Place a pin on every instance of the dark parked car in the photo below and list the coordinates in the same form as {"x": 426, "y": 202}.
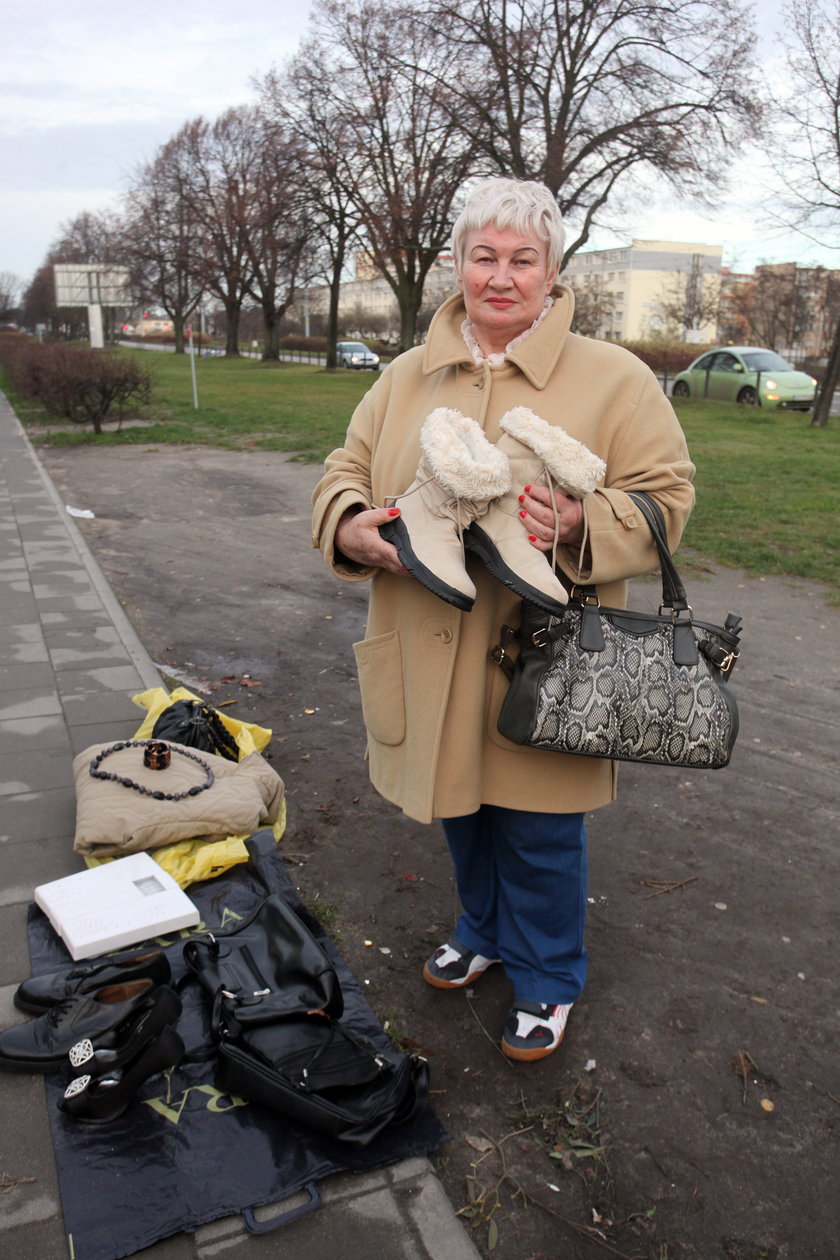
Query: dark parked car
{"x": 747, "y": 374}
{"x": 355, "y": 354}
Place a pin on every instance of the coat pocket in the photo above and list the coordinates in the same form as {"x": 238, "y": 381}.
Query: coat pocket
{"x": 379, "y": 665}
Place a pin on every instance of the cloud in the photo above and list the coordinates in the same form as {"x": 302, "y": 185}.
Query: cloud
{"x": 90, "y": 90}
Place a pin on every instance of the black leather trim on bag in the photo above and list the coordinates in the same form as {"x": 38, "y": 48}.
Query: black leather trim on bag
{"x": 276, "y": 1007}
{"x": 629, "y": 686}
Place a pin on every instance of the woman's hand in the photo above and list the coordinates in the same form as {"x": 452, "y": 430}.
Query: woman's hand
{"x": 357, "y": 537}
{"x": 538, "y": 517}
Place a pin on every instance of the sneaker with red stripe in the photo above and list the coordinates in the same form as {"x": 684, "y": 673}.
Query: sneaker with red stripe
{"x": 453, "y": 965}
{"x": 533, "y": 1030}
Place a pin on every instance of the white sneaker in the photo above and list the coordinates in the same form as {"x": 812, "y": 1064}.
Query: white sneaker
{"x": 453, "y": 966}
{"x": 533, "y": 1031}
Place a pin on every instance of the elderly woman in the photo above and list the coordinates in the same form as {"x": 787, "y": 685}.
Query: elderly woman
{"x": 513, "y": 817}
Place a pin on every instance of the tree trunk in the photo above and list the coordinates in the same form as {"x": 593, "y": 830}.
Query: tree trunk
{"x": 271, "y": 333}
{"x": 232, "y": 338}
{"x": 332, "y": 312}
{"x": 409, "y": 297}
{"x": 830, "y": 381}
{"x": 178, "y": 328}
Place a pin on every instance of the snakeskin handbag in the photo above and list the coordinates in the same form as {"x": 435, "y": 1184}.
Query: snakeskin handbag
{"x": 607, "y": 682}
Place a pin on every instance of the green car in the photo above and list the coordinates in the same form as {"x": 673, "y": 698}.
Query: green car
{"x": 747, "y": 374}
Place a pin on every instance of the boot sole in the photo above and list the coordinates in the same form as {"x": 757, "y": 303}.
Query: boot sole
{"x": 40, "y": 1066}
{"x": 528, "y": 1056}
{"x": 438, "y": 983}
{"x": 477, "y": 541}
{"x": 396, "y": 533}
{"x": 31, "y": 1008}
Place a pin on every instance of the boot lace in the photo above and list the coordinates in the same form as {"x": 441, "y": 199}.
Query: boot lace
{"x": 455, "y": 507}
{"x": 552, "y": 484}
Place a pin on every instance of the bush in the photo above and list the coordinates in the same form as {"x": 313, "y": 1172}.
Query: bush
{"x": 665, "y": 357}
{"x": 295, "y": 342}
{"x": 80, "y": 385}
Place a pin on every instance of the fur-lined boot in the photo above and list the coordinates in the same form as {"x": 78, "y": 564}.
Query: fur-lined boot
{"x": 460, "y": 472}
{"x": 537, "y": 452}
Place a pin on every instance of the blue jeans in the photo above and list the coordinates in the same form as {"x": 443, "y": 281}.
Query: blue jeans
{"x": 522, "y": 877}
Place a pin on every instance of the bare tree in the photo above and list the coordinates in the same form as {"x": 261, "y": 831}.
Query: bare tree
{"x": 594, "y": 305}
{"x": 389, "y": 77}
{"x": 10, "y": 287}
{"x": 584, "y": 94}
{"x": 810, "y": 143}
{"x": 161, "y": 240}
{"x": 214, "y": 174}
{"x": 275, "y": 212}
{"x": 326, "y": 149}
{"x": 689, "y": 301}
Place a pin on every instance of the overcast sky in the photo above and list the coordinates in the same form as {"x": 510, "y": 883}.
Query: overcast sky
{"x": 90, "y": 89}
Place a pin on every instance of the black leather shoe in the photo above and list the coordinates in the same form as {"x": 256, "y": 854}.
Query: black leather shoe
{"x": 98, "y": 1099}
{"x": 39, "y": 994}
{"x": 91, "y": 1055}
{"x": 43, "y": 1044}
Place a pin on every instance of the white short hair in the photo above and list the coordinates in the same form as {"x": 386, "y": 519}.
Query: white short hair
{"x": 522, "y": 204}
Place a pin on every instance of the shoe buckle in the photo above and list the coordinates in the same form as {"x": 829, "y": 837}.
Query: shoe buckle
{"x": 77, "y": 1086}
{"x": 81, "y": 1053}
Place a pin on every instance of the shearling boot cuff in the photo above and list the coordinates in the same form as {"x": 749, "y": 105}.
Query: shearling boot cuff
{"x": 572, "y": 465}
{"x": 461, "y": 459}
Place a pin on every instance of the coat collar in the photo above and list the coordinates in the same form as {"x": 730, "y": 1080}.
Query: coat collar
{"x": 536, "y": 357}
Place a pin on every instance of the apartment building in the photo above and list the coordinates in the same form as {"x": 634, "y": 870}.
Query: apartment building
{"x": 647, "y": 289}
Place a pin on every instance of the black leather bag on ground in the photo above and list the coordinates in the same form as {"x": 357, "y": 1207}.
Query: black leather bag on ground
{"x": 630, "y": 686}
{"x": 196, "y": 725}
{"x": 278, "y": 1034}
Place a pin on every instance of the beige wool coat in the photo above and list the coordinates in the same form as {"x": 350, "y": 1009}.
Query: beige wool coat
{"x": 430, "y": 694}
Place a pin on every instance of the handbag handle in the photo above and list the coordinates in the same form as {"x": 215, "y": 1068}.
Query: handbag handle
{"x": 673, "y": 591}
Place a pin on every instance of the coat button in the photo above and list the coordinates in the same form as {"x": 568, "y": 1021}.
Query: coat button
{"x": 445, "y": 635}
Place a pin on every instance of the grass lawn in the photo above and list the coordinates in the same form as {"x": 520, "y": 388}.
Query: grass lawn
{"x": 768, "y": 484}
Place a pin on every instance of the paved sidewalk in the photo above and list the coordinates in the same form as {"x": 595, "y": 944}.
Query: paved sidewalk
{"x": 69, "y": 664}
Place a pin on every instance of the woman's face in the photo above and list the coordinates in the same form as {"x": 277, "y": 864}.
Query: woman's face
{"x": 505, "y": 279}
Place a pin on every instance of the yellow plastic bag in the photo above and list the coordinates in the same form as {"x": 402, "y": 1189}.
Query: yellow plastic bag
{"x": 189, "y": 861}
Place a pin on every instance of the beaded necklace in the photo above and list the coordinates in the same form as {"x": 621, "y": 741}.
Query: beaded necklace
{"x": 124, "y": 781}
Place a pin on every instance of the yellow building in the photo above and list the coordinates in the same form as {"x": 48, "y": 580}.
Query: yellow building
{"x": 647, "y": 289}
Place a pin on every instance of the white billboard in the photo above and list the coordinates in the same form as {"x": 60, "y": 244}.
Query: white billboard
{"x": 91, "y": 284}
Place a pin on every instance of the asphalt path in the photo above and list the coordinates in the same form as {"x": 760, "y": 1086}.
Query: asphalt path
{"x": 708, "y": 1030}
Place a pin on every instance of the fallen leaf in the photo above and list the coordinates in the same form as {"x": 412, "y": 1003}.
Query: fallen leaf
{"x": 483, "y": 1145}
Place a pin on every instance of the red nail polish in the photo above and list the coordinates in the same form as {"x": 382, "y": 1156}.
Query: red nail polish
{"x": 527, "y": 489}
{"x": 532, "y": 538}
{"x": 522, "y": 498}
{"x": 393, "y": 511}
{"x": 523, "y": 514}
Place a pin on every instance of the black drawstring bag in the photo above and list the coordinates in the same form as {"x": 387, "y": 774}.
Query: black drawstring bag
{"x": 196, "y": 725}
{"x": 278, "y": 1035}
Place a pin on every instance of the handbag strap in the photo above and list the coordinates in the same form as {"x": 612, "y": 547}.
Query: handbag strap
{"x": 673, "y": 591}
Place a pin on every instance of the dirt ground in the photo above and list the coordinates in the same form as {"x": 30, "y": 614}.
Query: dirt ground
{"x": 693, "y": 1108}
